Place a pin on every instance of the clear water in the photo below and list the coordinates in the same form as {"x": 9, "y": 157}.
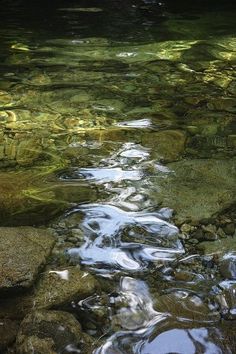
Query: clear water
{"x": 119, "y": 98}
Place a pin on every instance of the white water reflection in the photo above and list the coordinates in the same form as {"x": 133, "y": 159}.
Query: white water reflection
{"x": 181, "y": 341}
{"x": 115, "y": 175}
{"x": 135, "y": 314}
{"x": 138, "y": 123}
{"x": 107, "y": 256}
{"x": 137, "y": 310}
{"x": 106, "y": 243}
{"x": 103, "y": 226}
{"x": 132, "y": 152}
{"x": 108, "y": 220}
{"x": 170, "y": 340}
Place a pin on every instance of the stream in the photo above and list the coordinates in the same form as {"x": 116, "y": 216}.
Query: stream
{"x": 117, "y": 131}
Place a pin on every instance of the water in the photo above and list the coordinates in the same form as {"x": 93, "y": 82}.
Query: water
{"x": 120, "y": 119}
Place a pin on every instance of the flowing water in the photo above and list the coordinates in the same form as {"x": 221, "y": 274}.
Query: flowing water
{"x": 122, "y": 115}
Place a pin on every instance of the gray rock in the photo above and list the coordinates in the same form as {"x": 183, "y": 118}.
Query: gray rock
{"x": 197, "y": 189}
{"x": 51, "y": 332}
{"x": 58, "y": 288}
{"x": 23, "y": 251}
{"x": 221, "y": 233}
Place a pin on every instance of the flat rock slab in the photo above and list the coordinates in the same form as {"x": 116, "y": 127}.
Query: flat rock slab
{"x": 23, "y": 250}
{"x": 197, "y": 189}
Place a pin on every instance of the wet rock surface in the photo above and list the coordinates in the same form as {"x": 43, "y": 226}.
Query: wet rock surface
{"x": 23, "y": 251}
{"x": 228, "y": 266}
{"x": 52, "y": 332}
{"x": 58, "y": 288}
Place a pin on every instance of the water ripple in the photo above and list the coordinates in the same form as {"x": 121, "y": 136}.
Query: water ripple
{"x": 103, "y": 226}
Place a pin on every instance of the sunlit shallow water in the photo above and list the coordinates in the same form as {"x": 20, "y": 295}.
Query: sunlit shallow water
{"x": 133, "y": 104}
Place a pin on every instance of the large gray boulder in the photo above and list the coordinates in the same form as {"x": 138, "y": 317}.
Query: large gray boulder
{"x": 23, "y": 251}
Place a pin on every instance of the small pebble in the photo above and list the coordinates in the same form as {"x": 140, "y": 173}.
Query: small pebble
{"x": 186, "y": 228}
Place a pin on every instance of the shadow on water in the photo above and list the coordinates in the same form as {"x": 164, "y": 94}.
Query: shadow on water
{"x": 129, "y": 21}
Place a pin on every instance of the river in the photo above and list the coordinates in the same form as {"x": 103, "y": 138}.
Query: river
{"x": 118, "y": 124}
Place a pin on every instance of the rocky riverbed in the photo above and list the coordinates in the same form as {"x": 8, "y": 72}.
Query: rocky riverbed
{"x": 49, "y": 303}
{"x": 46, "y": 296}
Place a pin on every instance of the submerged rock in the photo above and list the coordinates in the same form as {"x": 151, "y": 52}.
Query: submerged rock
{"x": 218, "y": 247}
{"x": 23, "y": 251}
{"x": 182, "y": 304}
{"x": 197, "y": 189}
{"x": 32, "y": 197}
{"x": 166, "y": 144}
{"x": 19, "y": 148}
{"x": 60, "y": 287}
{"x": 17, "y": 202}
{"x": 51, "y": 332}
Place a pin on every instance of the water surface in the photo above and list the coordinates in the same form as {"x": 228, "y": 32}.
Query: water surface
{"x": 135, "y": 101}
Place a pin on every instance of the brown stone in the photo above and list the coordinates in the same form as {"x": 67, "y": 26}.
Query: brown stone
{"x": 23, "y": 251}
